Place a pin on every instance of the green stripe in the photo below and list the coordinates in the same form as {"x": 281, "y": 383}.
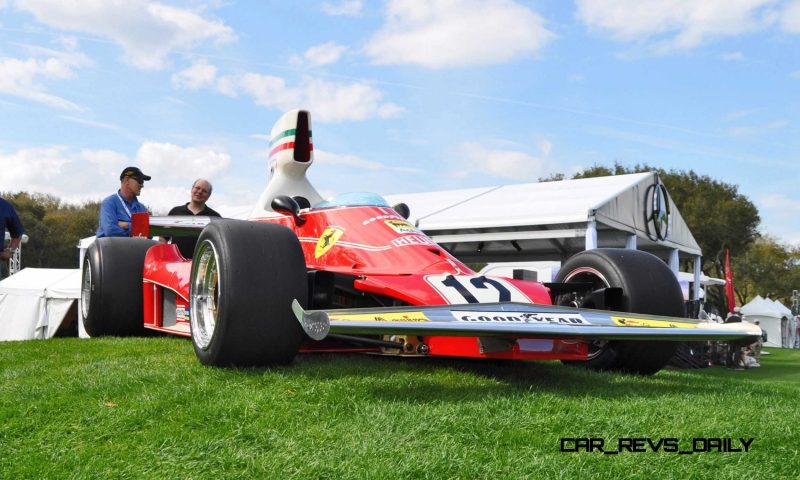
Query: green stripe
{"x": 286, "y": 133}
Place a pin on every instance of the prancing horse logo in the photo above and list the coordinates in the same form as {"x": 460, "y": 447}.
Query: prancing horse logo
{"x": 327, "y": 240}
{"x": 657, "y": 212}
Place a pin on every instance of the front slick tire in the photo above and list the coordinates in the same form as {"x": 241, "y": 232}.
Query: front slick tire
{"x": 648, "y": 286}
{"x": 244, "y": 277}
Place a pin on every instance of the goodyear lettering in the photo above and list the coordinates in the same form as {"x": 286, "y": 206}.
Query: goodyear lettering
{"x": 378, "y": 217}
{"x": 500, "y": 317}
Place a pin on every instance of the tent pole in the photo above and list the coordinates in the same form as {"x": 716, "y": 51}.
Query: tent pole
{"x": 591, "y": 235}
{"x": 673, "y": 261}
{"x": 696, "y": 287}
{"x": 630, "y": 242}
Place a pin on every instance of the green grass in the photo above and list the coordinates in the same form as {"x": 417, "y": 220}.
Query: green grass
{"x": 145, "y": 408}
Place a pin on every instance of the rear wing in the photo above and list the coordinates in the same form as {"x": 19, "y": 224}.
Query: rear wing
{"x": 144, "y": 225}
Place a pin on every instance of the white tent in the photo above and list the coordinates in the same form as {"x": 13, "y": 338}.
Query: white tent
{"x": 35, "y": 302}
{"x": 789, "y": 333}
{"x": 532, "y": 221}
{"x": 771, "y": 318}
{"x": 550, "y": 221}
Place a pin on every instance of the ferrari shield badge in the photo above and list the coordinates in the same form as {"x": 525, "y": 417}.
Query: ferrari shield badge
{"x": 327, "y": 240}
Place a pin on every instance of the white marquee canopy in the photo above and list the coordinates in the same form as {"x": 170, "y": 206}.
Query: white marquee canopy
{"x": 534, "y": 220}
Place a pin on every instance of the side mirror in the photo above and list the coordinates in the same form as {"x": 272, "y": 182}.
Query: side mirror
{"x": 403, "y": 210}
{"x": 288, "y": 205}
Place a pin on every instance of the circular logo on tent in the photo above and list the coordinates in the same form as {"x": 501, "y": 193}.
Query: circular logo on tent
{"x": 658, "y": 213}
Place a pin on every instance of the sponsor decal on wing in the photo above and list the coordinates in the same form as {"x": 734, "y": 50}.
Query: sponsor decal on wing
{"x": 380, "y": 317}
{"x": 379, "y": 217}
{"x": 646, "y": 322}
{"x": 407, "y": 240}
{"x": 327, "y": 240}
{"x": 519, "y": 317}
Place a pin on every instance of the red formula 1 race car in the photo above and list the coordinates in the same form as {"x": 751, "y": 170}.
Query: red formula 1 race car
{"x": 350, "y": 274}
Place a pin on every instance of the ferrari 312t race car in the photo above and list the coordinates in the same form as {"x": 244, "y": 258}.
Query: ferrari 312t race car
{"x": 351, "y": 274}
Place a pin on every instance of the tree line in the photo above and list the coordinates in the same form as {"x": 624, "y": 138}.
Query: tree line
{"x": 718, "y": 215}
{"x": 54, "y": 228}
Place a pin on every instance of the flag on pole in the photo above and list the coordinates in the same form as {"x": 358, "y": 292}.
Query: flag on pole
{"x": 729, "y": 281}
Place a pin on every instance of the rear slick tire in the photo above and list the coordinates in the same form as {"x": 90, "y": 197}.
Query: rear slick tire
{"x": 648, "y": 286}
{"x": 244, "y": 277}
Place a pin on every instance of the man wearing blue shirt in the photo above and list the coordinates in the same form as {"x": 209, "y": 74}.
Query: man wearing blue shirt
{"x": 117, "y": 208}
{"x": 9, "y": 220}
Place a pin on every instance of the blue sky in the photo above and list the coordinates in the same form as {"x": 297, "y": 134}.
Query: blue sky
{"x": 405, "y": 95}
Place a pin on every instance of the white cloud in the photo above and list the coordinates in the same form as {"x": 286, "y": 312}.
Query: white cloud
{"x": 329, "y": 101}
{"x": 68, "y": 43}
{"x": 675, "y": 24}
{"x": 738, "y": 115}
{"x": 23, "y": 78}
{"x": 780, "y": 201}
{"x": 733, "y": 56}
{"x": 62, "y": 172}
{"x": 147, "y": 31}
{"x": 457, "y": 33}
{"x": 168, "y": 162}
{"x": 348, "y": 8}
{"x": 778, "y": 212}
{"x": 796, "y": 74}
{"x": 324, "y": 158}
{"x": 199, "y": 75}
{"x": 505, "y": 164}
{"x": 78, "y": 176}
{"x": 790, "y": 18}
{"x": 324, "y": 54}
{"x": 751, "y": 130}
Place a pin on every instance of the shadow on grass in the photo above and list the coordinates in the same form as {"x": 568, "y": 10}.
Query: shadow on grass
{"x": 437, "y": 379}
{"x": 442, "y": 379}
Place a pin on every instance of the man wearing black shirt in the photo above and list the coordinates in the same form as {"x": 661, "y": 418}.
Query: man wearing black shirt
{"x": 201, "y": 191}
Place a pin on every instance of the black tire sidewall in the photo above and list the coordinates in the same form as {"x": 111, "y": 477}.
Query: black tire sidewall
{"x": 261, "y": 270}
{"x": 116, "y": 304}
{"x": 649, "y": 287}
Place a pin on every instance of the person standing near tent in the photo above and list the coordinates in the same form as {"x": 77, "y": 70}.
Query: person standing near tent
{"x": 736, "y": 352}
{"x": 797, "y": 332}
{"x": 117, "y": 208}
{"x": 10, "y": 221}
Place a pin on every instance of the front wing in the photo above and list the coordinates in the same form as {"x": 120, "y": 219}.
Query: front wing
{"x": 517, "y": 320}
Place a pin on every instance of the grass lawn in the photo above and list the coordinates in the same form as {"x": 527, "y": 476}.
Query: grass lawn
{"x": 145, "y": 408}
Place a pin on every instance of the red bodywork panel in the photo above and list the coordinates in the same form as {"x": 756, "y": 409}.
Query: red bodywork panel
{"x": 387, "y": 255}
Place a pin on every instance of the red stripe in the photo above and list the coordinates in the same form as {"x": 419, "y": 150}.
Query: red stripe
{"x": 729, "y": 291}
{"x": 286, "y": 146}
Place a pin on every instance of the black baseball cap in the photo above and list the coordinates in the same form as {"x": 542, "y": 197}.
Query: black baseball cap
{"x": 135, "y": 173}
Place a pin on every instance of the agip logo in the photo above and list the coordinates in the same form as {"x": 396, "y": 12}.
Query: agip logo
{"x": 327, "y": 240}
{"x": 401, "y": 226}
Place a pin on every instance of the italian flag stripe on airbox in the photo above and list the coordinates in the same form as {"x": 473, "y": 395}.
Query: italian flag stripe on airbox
{"x": 285, "y": 141}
